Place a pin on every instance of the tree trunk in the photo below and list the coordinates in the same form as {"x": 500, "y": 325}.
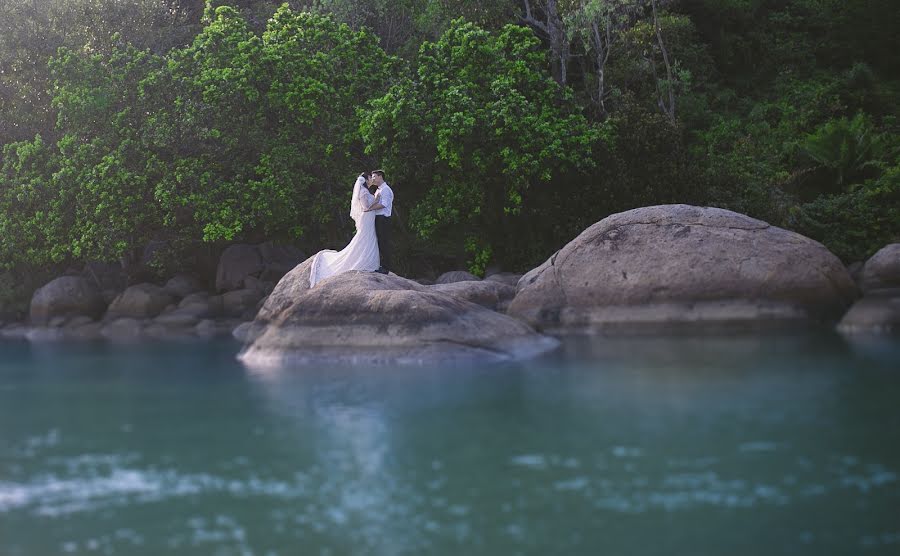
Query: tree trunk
{"x": 555, "y": 32}
{"x": 667, "y": 108}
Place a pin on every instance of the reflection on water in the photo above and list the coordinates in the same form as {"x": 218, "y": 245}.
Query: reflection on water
{"x": 629, "y": 445}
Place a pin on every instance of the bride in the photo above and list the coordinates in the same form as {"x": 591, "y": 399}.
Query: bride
{"x": 362, "y": 251}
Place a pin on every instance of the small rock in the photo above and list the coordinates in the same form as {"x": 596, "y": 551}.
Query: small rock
{"x": 14, "y": 331}
{"x": 140, "y": 301}
{"x": 507, "y": 278}
{"x": 878, "y": 311}
{"x": 237, "y": 302}
{"x": 485, "y": 293}
{"x": 44, "y": 334}
{"x": 177, "y": 319}
{"x": 246, "y": 332}
{"x": 123, "y": 328}
{"x": 456, "y": 276}
{"x": 75, "y": 322}
{"x": 56, "y": 322}
{"x": 182, "y": 285}
{"x": 882, "y": 270}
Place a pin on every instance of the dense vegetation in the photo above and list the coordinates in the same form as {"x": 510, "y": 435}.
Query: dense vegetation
{"x": 505, "y": 127}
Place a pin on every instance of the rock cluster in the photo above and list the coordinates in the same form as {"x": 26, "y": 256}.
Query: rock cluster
{"x": 649, "y": 268}
{"x": 94, "y": 304}
{"x": 365, "y": 317}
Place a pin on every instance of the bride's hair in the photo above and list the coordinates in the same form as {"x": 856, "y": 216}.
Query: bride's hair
{"x": 366, "y": 175}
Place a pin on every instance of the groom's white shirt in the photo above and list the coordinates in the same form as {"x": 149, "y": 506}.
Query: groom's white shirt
{"x": 385, "y": 196}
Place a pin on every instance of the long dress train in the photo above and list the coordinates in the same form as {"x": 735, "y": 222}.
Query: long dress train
{"x": 362, "y": 251}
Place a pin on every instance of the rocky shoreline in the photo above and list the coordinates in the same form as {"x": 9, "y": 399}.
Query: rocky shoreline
{"x": 649, "y": 268}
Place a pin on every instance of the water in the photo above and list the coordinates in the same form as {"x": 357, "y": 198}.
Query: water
{"x": 634, "y": 446}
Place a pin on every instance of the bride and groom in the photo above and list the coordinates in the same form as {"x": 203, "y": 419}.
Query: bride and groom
{"x": 370, "y": 248}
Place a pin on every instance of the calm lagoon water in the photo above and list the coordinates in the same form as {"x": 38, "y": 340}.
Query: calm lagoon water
{"x": 762, "y": 444}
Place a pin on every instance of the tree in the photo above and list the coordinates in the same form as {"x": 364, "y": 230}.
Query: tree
{"x": 552, "y": 27}
{"x": 478, "y": 126}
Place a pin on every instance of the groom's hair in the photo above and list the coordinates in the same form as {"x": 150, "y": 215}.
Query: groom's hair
{"x": 379, "y": 172}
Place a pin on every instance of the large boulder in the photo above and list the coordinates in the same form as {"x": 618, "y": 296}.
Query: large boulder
{"x": 882, "y": 270}
{"x": 140, "y": 301}
{"x": 676, "y": 264}
{"x": 66, "y": 296}
{"x": 366, "y": 317}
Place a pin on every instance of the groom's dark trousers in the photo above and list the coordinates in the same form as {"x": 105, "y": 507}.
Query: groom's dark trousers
{"x": 383, "y": 232}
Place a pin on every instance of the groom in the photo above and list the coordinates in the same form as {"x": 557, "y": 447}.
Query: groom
{"x": 384, "y": 201}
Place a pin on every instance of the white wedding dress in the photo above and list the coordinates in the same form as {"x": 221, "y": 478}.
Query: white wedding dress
{"x": 362, "y": 251}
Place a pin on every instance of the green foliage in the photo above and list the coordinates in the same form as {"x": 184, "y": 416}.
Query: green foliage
{"x": 846, "y": 150}
{"x": 480, "y": 125}
{"x": 261, "y": 136}
{"x": 126, "y": 121}
{"x": 856, "y": 224}
{"x": 30, "y": 227}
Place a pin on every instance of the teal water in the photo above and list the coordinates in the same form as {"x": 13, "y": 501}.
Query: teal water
{"x": 623, "y": 446}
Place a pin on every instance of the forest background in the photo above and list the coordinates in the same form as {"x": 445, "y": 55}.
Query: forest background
{"x": 154, "y": 133}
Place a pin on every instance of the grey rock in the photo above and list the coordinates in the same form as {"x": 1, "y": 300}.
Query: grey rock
{"x": 123, "y": 329}
{"x": 209, "y": 328}
{"x": 195, "y": 298}
{"x": 678, "y": 264}
{"x": 44, "y": 334}
{"x": 882, "y": 270}
{"x": 278, "y": 260}
{"x": 202, "y": 305}
{"x": 456, "y": 276}
{"x": 238, "y": 302}
{"x": 85, "y": 331}
{"x": 104, "y": 276}
{"x": 855, "y": 270}
{"x": 56, "y": 322}
{"x": 236, "y": 263}
{"x": 180, "y": 318}
{"x": 65, "y": 296}
{"x": 254, "y": 283}
{"x": 366, "y": 317}
{"x": 507, "y": 278}
{"x": 878, "y": 312}
{"x": 14, "y": 331}
{"x": 140, "y": 301}
{"x": 182, "y": 285}
{"x": 169, "y": 332}
{"x": 486, "y": 293}
{"x": 246, "y": 332}
{"x": 75, "y": 322}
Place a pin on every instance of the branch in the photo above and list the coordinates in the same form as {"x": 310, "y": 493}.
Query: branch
{"x": 530, "y": 20}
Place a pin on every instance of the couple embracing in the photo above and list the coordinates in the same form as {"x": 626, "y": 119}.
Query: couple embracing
{"x": 370, "y": 208}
